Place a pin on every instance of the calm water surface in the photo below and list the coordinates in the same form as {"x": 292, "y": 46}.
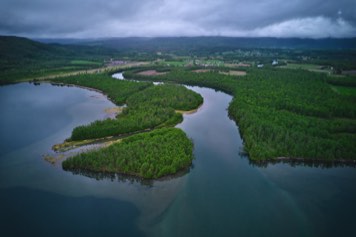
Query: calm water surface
{"x": 222, "y": 195}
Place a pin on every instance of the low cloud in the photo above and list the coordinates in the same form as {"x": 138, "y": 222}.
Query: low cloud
{"x": 311, "y": 27}
{"x": 120, "y": 18}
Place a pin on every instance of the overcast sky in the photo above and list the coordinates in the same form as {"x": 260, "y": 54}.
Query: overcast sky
{"x": 121, "y": 18}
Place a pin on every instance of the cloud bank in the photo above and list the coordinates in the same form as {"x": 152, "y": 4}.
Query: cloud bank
{"x": 122, "y": 18}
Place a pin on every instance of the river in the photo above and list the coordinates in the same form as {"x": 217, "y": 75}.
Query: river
{"x": 221, "y": 195}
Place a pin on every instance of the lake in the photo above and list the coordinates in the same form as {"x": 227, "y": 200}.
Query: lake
{"x": 221, "y": 195}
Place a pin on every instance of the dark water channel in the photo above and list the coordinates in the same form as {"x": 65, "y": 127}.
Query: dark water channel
{"x": 222, "y": 195}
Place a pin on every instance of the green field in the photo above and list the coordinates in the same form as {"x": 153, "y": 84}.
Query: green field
{"x": 85, "y": 62}
{"x": 210, "y": 63}
{"x": 309, "y": 67}
{"x": 348, "y": 91}
{"x": 173, "y": 63}
{"x": 301, "y": 66}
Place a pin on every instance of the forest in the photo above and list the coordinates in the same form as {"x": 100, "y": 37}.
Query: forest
{"x": 294, "y": 114}
{"x": 148, "y": 155}
{"x": 167, "y": 95}
{"x": 283, "y": 113}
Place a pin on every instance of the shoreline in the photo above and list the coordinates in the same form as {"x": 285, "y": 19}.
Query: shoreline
{"x": 69, "y": 145}
{"x": 189, "y": 111}
{"x": 82, "y": 87}
{"x": 108, "y": 69}
{"x": 129, "y": 176}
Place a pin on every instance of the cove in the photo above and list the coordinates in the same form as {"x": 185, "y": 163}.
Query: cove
{"x": 222, "y": 194}
{"x": 225, "y": 195}
{"x": 37, "y": 198}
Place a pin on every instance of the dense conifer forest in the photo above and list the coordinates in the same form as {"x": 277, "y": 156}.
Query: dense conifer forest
{"x": 283, "y": 113}
{"x": 148, "y": 155}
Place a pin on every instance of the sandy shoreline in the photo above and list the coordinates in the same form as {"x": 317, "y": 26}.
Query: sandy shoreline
{"x": 189, "y": 111}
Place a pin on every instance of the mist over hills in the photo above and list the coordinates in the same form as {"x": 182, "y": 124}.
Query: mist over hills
{"x": 196, "y": 43}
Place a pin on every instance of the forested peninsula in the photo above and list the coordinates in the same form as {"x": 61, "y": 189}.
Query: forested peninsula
{"x": 149, "y": 107}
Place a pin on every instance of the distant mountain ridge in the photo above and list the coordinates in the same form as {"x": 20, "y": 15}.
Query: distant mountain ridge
{"x": 195, "y": 43}
{"x": 14, "y": 48}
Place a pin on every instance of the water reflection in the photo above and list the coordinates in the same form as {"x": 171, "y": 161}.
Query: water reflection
{"x": 122, "y": 178}
{"x": 302, "y": 162}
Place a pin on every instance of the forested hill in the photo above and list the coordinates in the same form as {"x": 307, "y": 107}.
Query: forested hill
{"x": 24, "y": 58}
{"x": 18, "y": 48}
{"x": 221, "y": 43}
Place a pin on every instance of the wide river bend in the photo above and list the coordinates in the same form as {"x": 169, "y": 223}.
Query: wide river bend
{"x": 221, "y": 195}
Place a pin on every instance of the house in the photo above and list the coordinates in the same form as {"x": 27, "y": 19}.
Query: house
{"x": 274, "y": 63}
{"x": 260, "y": 65}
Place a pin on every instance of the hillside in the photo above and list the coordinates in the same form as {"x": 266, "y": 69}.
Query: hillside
{"x": 12, "y": 47}
{"x": 21, "y": 57}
